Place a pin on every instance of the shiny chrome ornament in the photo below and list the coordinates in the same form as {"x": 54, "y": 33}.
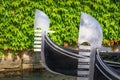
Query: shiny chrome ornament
{"x": 90, "y": 31}
{"x": 41, "y": 21}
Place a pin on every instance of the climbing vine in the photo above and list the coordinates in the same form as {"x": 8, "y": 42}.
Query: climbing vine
{"x": 17, "y": 20}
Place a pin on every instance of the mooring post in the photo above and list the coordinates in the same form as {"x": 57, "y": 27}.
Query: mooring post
{"x": 21, "y": 68}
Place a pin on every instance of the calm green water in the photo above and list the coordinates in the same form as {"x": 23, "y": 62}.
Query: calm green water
{"x": 39, "y": 75}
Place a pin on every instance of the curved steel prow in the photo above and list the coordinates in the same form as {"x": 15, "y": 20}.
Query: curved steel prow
{"x": 41, "y": 20}
{"x": 90, "y": 31}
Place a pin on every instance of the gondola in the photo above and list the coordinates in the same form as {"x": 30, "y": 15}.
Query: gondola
{"x": 62, "y": 60}
{"x": 103, "y": 71}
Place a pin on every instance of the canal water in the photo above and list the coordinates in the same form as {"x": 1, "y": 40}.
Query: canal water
{"x": 39, "y": 75}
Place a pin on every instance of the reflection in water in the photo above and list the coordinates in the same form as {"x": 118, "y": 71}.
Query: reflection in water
{"x": 39, "y": 75}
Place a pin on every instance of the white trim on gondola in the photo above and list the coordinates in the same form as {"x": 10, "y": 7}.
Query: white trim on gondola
{"x": 37, "y": 50}
{"x": 39, "y": 35}
{"x": 103, "y": 72}
{"x": 84, "y": 66}
{"x": 37, "y": 42}
{"x": 37, "y": 46}
{"x": 37, "y": 38}
{"x": 84, "y": 60}
{"x": 106, "y": 67}
{"x": 85, "y": 53}
{"x": 57, "y": 48}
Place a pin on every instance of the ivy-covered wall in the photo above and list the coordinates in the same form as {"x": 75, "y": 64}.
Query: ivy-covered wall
{"x": 17, "y": 20}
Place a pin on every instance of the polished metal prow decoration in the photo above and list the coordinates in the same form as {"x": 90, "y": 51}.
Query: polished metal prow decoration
{"x": 90, "y": 32}
{"x": 41, "y": 25}
{"x": 41, "y": 20}
{"x": 41, "y": 28}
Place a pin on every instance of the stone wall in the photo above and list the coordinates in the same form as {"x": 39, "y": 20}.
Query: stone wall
{"x": 28, "y": 60}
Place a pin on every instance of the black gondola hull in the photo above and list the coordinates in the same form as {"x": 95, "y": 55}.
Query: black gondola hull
{"x": 58, "y": 60}
{"x": 60, "y": 63}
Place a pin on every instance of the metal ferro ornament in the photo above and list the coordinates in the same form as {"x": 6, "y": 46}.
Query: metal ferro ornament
{"x": 90, "y": 31}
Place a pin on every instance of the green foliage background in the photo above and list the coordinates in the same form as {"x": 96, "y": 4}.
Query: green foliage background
{"x": 17, "y": 20}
